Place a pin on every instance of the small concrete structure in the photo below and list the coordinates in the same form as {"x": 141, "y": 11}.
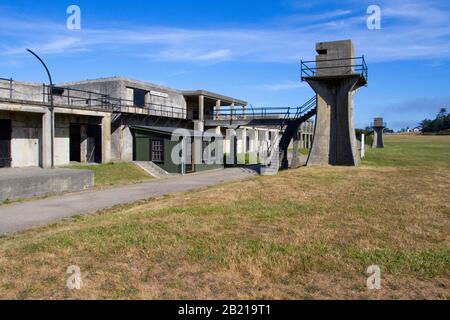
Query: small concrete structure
{"x": 378, "y": 127}
{"x": 30, "y": 182}
{"x": 335, "y": 81}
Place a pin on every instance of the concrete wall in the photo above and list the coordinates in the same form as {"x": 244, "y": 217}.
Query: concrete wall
{"x": 122, "y": 144}
{"x": 120, "y": 88}
{"x": 25, "y": 138}
{"x": 36, "y": 182}
{"x": 22, "y": 91}
{"x": 334, "y": 50}
{"x": 62, "y": 135}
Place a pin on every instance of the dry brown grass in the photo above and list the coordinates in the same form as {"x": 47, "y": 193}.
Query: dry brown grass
{"x": 307, "y": 233}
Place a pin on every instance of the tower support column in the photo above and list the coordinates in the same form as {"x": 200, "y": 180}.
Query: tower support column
{"x": 334, "y": 140}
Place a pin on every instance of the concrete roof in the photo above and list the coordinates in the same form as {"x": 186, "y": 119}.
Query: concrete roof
{"x": 215, "y": 96}
{"x": 120, "y": 78}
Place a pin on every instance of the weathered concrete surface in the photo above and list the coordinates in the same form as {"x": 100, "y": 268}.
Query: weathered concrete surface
{"x": 335, "y": 83}
{"x": 378, "y": 127}
{"x": 334, "y": 138}
{"x": 20, "y": 216}
{"x": 30, "y": 182}
{"x": 378, "y": 141}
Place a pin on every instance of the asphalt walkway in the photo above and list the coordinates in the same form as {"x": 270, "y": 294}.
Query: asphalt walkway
{"x": 24, "y": 215}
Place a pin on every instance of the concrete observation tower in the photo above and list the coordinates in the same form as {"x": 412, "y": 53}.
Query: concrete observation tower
{"x": 335, "y": 76}
{"x": 378, "y": 126}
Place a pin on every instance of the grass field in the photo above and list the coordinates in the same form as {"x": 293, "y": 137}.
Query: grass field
{"x": 307, "y": 233}
{"x": 115, "y": 173}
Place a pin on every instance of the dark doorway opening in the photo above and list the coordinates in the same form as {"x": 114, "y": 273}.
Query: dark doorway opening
{"x": 139, "y": 97}
{"x": 5, "y": 143}
{"x": 94, "y": 143}
{"x": 75, "y": 142}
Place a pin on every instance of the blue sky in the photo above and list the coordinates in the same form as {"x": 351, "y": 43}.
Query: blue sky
{"x": 246, "y": 49}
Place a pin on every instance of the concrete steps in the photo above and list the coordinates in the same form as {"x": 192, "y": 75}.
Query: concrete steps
{"x": 152, "y": 169}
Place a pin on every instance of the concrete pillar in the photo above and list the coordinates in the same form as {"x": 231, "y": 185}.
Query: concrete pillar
{"x": 378, "y": 141}
{"x": 83, "y": 143}
{"x": 241, "y": 140}
{"x": 253, "y": 146}
{"x": 231, "y": 137}
{"x": 363, "y": 146}
{"x": 199, "y": 126}
{"x": 217, "y": 111}
{"x": 232, "y": 110}
{"x": 296, "y": 150}
{"x": 201, "y": 107}
{"x": 334, "y": 137}
{"x": 106, "y": 138}
{"x": 46, "y": 140}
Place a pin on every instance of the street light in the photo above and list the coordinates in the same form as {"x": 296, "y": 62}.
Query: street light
{"x": 52, "y": 115}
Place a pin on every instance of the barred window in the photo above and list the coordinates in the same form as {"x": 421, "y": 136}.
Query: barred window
{"x": 157, "y": 150}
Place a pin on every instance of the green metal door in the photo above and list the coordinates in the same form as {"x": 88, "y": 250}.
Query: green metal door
{"x": 142, "y": 149}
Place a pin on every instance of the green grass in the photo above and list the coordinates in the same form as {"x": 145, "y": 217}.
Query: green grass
{"x": 411, "y": 151}
{"x": 115, "y": 173}
{"x": 304, "y": 233}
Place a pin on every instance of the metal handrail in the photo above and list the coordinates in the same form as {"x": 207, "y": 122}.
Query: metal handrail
{"x": 311, "y": 70}
{"x": 281, "y": 113}
{"x": 89, "y": 99}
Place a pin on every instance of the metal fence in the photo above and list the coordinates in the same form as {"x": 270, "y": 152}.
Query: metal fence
{"x": 84, "y": 99}
{"x": 266, "y": 113}
{"x": 345, "y": 66}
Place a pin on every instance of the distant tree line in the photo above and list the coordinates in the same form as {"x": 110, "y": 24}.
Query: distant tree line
{"x": 440, "y": 123}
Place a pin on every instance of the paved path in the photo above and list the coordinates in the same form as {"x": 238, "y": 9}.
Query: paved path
{"x": 20, "y": 216}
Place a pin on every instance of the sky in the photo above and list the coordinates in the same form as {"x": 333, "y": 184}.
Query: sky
{"x": 249, "y": 49}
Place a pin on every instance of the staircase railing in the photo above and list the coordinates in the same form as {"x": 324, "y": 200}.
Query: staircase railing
{"x": 274, "y": 148}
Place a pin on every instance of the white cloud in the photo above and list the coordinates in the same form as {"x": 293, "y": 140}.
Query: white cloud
{"x": 192, "y": 55}
{"x": 283, "y": 86}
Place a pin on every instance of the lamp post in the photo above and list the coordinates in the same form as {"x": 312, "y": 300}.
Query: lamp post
{"x": 52, "y": 115}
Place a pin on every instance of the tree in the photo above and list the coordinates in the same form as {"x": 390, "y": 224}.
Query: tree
{"x": 441, "y": 122}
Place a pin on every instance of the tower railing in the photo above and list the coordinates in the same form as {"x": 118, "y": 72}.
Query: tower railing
{"x": 357, "y": 65}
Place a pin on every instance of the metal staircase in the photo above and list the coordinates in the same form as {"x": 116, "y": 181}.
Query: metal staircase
{"x": 277, "y": 153}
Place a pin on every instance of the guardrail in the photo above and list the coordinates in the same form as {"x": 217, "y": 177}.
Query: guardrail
{"x": 356, "y": 65}
{"x": 266, "y": 113}
{"x": 84, "y": 99}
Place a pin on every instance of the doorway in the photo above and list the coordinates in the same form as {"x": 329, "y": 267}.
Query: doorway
{"x": 5, "y": 143}
{"x": 94, "y": 143}
{"x": 75, "y": 142}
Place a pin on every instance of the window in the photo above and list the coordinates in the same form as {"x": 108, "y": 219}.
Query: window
{"x": 157, "y": 150}
{"x": 139, "y": 97}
